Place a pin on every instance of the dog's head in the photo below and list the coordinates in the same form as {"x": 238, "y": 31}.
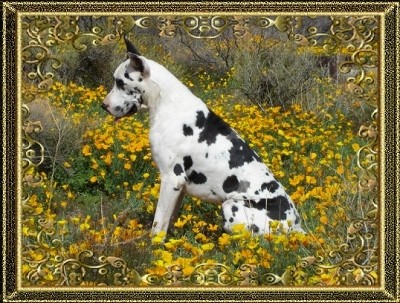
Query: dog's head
{"x": 131, "y": 79}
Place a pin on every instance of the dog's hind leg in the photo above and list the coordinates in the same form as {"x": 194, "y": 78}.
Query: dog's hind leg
{"x": 168, "y": 205}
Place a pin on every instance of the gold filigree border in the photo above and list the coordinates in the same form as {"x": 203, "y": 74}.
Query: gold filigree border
{"x": 359, "y": 85}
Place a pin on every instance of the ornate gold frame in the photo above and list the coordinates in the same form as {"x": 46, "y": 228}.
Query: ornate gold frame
{"x": 208, "y": 20}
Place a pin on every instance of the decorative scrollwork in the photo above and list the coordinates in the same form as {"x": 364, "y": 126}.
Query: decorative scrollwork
{"x": 205, "y": 274}
{"x": 87, "y": 270}
{"x": 32, "y": 151}
{"x": 40, "y": 255}
{"x": 215, "y": 274}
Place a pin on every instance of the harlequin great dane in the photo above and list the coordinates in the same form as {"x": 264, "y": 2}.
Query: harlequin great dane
{"x": 196, "y": 152}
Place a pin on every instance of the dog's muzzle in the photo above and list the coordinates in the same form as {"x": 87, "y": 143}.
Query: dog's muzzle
{"x": 132, "y": 111}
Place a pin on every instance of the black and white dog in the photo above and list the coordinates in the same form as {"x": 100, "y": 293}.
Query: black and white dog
{"x": 197, "y": 152}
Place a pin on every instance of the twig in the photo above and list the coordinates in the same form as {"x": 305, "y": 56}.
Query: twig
{"x": 131, "y": 240}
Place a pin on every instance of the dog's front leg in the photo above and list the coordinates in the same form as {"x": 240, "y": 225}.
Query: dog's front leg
{"x": 168, "y": 203}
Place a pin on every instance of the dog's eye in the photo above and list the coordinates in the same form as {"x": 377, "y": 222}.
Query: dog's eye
{"x": 120, "y": 83}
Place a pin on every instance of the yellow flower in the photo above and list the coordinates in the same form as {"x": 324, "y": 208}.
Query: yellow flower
{"x": 324, "y": 219}
{"x": 355, "y": 147}
{"x": 26, "y": 231}
{"x": 207, "y": 247}
{"x": 85, "y": 225}
{"x": 137, "y": 187}
{"x": 188, "y": 270}
{"x": 296, "y": 180}
{"x": 201, "y": 237}
{"x": 25, "y": 268}
{"x": 150, "y": 208}
{"x": 108, "y": 159}
{"x": 224, "y": 240}
{"x": 62, "y": 222}
{"x": 166, "y": 257}
{"x": 253, "y": 243}
{"x": 38, "y": 210}
{"x": 86, "y": 150}
{"x": 238, "y": 228}
{"x": 158, "y": 238}
{"x": 311, "y": 180}
{"x": 212, "y": 227}
{"x": 93, "y": 179}
{"x": 180, "y": 223}
{"x": 127, "y": 166}
{"x": 159, "y": 270}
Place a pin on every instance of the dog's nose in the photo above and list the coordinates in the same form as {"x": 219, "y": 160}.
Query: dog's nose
{"x": 105, "y": 107}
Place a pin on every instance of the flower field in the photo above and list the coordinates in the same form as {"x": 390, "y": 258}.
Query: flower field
{"x": 103, "y": 196}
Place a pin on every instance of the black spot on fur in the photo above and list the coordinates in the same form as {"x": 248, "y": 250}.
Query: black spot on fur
{"x": 126, "y": 75}
{"x": 243, "y": 186}
{"x": 187, "y": 130}
{"x": 254, "y": 228}
{"x": 187, "y": 162}
{"x": 214, "y": 126}
{"x": 135, "y": 90}
{"x": 213, "y": 192}
{"x": 206, "y": 155}
{"x": 270, "y": 186}
{"x": 120, "y": 83}
{"x": 197, "y": 178}
{"x": 176, "y": 189}
{"x": 201, "y": 119}
{"x": 257, "y": 204}
{"x": 231, "y": 220}
{"x": 241, "y": 153}
{"x": 256, "y": 192}
{"x": 297, "y": 221}
{"x": 230, "y": 184}
{"x": 234, "y": 210}
{"x": 140, "y": 79}
{"x": 118, "y": 109}
{"x": 178, "y": 169}
{"x": 276, "y": 207}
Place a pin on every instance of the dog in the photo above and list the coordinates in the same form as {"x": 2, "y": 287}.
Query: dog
{"x": 197, "y": 153}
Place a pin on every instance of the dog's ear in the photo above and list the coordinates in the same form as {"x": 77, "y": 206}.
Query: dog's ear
{"x": 129, "y": 46}
{"x": 139, "y": 64}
